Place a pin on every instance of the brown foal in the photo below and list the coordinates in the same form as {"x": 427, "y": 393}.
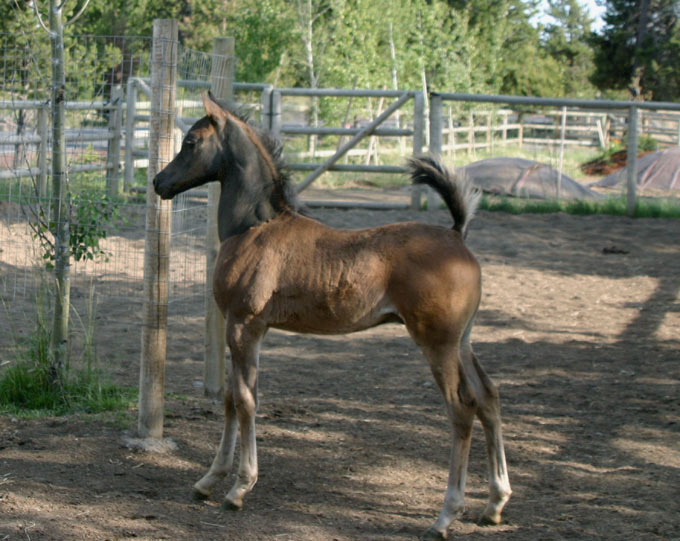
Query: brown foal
{"x": 279, "y": 269}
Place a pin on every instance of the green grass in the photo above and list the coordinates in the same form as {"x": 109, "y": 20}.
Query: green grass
{"x": 28, "y": 386}
{"x": 31, "y": 385}
{"x": 26, "y": 389}
{"x": 615, "y": 206}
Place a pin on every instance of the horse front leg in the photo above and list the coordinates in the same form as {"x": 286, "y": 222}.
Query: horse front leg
{"x": 224, "y": 457}
{"x": 244, "y": 344}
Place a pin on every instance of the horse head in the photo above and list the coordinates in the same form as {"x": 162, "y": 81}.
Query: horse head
{"x": 202, "y": 157}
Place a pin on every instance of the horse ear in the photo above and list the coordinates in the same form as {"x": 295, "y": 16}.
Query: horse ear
{"x": 214, "y": 109}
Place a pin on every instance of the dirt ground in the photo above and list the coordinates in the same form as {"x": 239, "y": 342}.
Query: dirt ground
{"x": 579, "y": 326}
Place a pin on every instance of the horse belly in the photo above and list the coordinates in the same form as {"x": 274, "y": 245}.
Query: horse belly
{"x": 331, "y": 313}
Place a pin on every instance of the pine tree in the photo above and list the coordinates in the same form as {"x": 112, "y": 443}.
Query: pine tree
{"x": 566, "y": 40}
{"x": 639, "y": 47}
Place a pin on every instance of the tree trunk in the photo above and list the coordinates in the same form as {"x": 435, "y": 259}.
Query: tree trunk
{"x": 20, "y": 148}
{"x": 638, "y": 70}
{"x": 306, "y": 15}
{"x": 395, "y": 83}
{"x": 60, "y": 196}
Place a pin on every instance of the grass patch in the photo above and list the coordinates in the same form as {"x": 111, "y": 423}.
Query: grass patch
{"x": 28, "y": 386}
{"x": 31, "y": 385}
{"x": 27, "y": 390}
{"x": 615, "y": 206}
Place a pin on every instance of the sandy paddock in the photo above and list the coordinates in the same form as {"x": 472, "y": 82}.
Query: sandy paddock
{"x": 579, "y": 326}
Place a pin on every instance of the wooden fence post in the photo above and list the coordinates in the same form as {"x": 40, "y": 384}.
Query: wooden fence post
{"x": 222, "y": 87}
{"x": 275, "y": 113}
{"x": 157, "y": 242}
{"x": 451, "y": 140}
{"x": 113, "y": 148}
{"x": 43, "y": 113}
{"x": 631, "y": 197}
{"x": 418, "y": 121}
{"x": 489, "y": 132}
{"x": 266, "y": 102}
{"x": 563, "y": 132}
{"x": 130, "y": 112}
{"x": 433, "y": 198}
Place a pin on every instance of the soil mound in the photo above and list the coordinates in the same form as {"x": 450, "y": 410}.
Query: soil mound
{"x": 658, "y": 171}
{"x": 523, "y": 178}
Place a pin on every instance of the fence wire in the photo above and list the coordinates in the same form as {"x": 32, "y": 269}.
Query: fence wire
{"x": 110, "y": 277}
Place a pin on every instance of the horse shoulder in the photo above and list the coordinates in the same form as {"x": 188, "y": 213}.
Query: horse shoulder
{"x": 246, "y": 271}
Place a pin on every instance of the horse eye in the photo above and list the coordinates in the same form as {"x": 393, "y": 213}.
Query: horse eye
{"x": 189, "y": 142}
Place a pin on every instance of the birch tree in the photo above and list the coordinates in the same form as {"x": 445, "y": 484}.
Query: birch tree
{"x": 310, "y": 15}
{"x": 61, "y": 197}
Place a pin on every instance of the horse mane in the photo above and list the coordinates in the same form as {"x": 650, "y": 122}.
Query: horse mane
{"x": 270, "y": 149}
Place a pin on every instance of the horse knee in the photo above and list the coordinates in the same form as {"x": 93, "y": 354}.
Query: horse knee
{"x": 245, "y": 404}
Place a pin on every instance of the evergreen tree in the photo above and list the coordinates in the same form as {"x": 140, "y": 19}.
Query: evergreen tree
{"x": 508, "y": 53}
{"x": 566, "y": 41}
{"x": 639, "y": 48}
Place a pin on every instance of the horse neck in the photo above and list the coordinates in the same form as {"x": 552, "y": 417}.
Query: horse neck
{"x": 245, "y": 197}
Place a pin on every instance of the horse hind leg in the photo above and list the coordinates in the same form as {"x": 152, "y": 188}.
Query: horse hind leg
{"x": 221, "y": 464}
{"x": 445, "y": 366}
{"x": 489, "y": 413}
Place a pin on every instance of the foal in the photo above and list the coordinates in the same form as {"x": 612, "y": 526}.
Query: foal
{"x": 277, "y": 268}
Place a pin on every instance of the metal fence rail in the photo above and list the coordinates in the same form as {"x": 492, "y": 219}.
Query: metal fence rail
{"x": 632, "y": 107}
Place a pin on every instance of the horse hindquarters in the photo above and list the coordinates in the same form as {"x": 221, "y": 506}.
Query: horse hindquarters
{"x": 445, "y": 365}
{"x": 439, "y": 310}
{"x": 467, "y": 391}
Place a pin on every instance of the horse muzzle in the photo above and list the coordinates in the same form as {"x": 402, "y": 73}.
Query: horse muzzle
{"x": 161, "y": 187}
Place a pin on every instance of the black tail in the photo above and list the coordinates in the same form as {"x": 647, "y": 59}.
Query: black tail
{"x": 460, "y": 196}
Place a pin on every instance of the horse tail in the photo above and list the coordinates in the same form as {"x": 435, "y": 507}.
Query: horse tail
{"x": 459, "y": 195}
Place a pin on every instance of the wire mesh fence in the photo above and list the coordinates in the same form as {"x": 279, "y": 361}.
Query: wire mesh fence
{"x": 107, "y": 225}
{"x": 108, "y": 112}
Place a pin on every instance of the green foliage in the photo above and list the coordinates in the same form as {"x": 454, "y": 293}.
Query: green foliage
{"x": 647, "y": 143}
{"x": 452, "y": 45}
{"x": 566, "y": 41}
{"x": 266, "y": 32}
{"x": 26, "y": 386}
{"x": 92, "y": 214}
{"x": 654, "y": 48}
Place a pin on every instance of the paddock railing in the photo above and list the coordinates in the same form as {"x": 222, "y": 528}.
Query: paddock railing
{"x": 633, "y": 109}
{"x": 121, "y": 147}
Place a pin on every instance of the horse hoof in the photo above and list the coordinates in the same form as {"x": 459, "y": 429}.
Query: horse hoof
{"x": 198, "y": 495}
{"x": 486, "y": 520}
{"x": 431, "y": 535}
{"x": 228, "y": 505}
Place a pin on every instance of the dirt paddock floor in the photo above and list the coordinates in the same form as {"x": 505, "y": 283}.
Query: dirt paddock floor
{"x": 579, "y": 326}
